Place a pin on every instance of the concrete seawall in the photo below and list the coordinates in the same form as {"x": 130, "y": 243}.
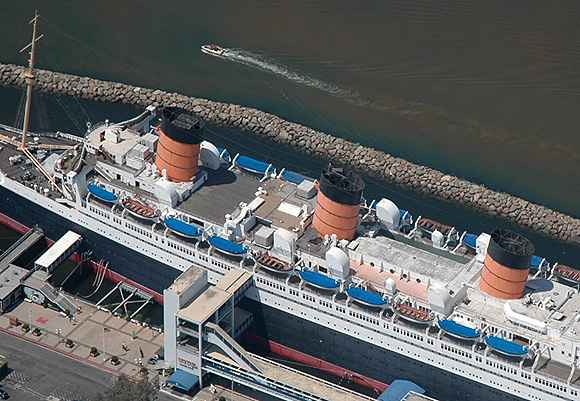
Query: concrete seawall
{"x": 368, "y": 160}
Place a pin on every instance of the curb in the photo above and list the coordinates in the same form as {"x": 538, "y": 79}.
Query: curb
{"x": 78, "y": 358}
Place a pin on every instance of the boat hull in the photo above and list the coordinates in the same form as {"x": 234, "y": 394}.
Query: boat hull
{"x": 364, "y": 358}
{"x": 156, "y": 276}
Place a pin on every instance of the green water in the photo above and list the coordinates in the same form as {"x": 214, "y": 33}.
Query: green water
{"x": 487, "y": 91}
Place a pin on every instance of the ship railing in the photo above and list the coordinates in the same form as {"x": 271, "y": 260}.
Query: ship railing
{"x": 560, "y": 380}
{"x": 411, "y": 394}
{"x": 262, "y": 383}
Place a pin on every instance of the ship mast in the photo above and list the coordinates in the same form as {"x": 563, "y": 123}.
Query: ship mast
{"x": 30, "y": 75}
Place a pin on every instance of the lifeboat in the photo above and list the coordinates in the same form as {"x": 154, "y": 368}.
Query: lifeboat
{"x": 140, "y": 209}
{"x": 469, "y": 241}
{"x": 212, "y": 50}
{"x": 568, "y": 275}
{"x": 182, "y": 228}
{"x": 428, "y": 226}
{"x": 458, "y": 330}
{"x": 252, "y": 165}
{"x": 506, "y": 347}
{"x": 272, "y": 264}
{"x": 319, "y": 280}
{"x": 226, "y": 246}
{"x": 101, "y": 193}
{"x": 366, "y": 297}
{"x": 411, "y": 314}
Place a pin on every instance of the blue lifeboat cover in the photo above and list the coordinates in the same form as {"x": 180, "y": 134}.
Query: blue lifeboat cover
{"x": 101, "y": 193}
{"x": 183, "y": 227}
{"x": 225, "y": 152}
{"x": 252, "y": 164}
{"x": 506, "y": 346}
{"x": 227, "y": 245}
{"x": 399, "y": 389}
{"x": 366, "y": 296}
{"x": 537, "y": 260}
{"x": 293, "y": 177}
{"x": 458, "y": 329}
{"x": 470, "y": 240}
{"x": 319, "y": 279}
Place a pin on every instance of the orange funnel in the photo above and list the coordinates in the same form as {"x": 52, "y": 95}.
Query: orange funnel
{"x": 178, "y": 148}
{"x": 506, "y": 265}
{"x": 338, "y": 203}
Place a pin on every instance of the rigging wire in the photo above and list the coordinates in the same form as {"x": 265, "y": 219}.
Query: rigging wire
{"x": 133, "y": 69}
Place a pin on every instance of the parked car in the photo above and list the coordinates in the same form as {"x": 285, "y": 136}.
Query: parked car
{"x": 4, "y": 394}
{"x": 152, "y": 361}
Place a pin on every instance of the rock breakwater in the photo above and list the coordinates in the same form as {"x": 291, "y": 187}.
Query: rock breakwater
{"x": 368, "y": 160}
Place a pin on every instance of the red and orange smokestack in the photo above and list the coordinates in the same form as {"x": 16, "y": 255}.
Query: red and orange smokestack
{"x": 178, "y": 148}
{"x": 506, "y": 265}
{"x": 338, "y": 203}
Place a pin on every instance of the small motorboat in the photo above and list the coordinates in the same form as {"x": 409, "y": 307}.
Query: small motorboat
{"x": 213, "y": 50}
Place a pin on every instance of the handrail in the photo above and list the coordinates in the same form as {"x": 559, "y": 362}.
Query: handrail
{"x": 240, "y": 352}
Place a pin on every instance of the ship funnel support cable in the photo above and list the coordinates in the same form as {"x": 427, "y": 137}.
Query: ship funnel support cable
{"x": 179, "y": 143}
{"x": 506, "y": 265}
{"x": 338, "y": 203}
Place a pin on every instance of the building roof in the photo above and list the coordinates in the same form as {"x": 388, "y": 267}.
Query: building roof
{"x": 10, "y": 279}
{"x": 57, "y": 249}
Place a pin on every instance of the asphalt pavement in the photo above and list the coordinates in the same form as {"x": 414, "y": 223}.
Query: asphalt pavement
{"x": 44, "y": 368}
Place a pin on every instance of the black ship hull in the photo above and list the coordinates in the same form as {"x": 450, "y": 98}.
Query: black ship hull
{"x": 135, "y": 266}
{"x": 364, "y": 358}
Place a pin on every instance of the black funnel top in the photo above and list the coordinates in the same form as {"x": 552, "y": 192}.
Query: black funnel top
{"x": 341, "y": 185}
{"x": 510, "y": 249}
{"x": 181, "y": 125}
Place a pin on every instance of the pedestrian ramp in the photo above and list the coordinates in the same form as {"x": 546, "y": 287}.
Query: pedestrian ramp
{"x": 277, "y": 380}
{"x": 20, "y": 246}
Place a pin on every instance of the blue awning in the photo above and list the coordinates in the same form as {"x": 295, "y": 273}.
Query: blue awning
{"x": 182, "y": 227}
{"x": 399, "y": 389}
{"x": 101, "y": 193}
{"x": 319, "y": 279}
{"x": 460, "y": 330}
{"x": 365, "y": 296}
{"x": 254, "y": 165}
{"x": 183, "y": 380}
{"x": 227, "y": 245}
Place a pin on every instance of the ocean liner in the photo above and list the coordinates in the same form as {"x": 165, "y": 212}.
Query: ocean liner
{"x": 359, "y": 285}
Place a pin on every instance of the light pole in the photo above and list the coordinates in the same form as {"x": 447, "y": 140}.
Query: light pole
{"x": 58, "y": 333}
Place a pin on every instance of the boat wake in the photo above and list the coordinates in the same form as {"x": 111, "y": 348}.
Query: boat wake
{"x": 272, "y": 66}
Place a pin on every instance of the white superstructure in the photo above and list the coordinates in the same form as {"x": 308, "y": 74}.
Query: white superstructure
{"x": 427, "y": 283}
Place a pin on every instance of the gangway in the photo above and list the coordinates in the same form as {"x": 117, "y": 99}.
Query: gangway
{"x": 38, "y": 283}
{"x": 279, "y": 381}
{"x": 216, "y": 335}
{"x": 58, "y": 252}
{"x": 19, "y": 247}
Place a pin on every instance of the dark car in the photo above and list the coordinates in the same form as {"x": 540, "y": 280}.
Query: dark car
{"x": 4, "y": 394}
